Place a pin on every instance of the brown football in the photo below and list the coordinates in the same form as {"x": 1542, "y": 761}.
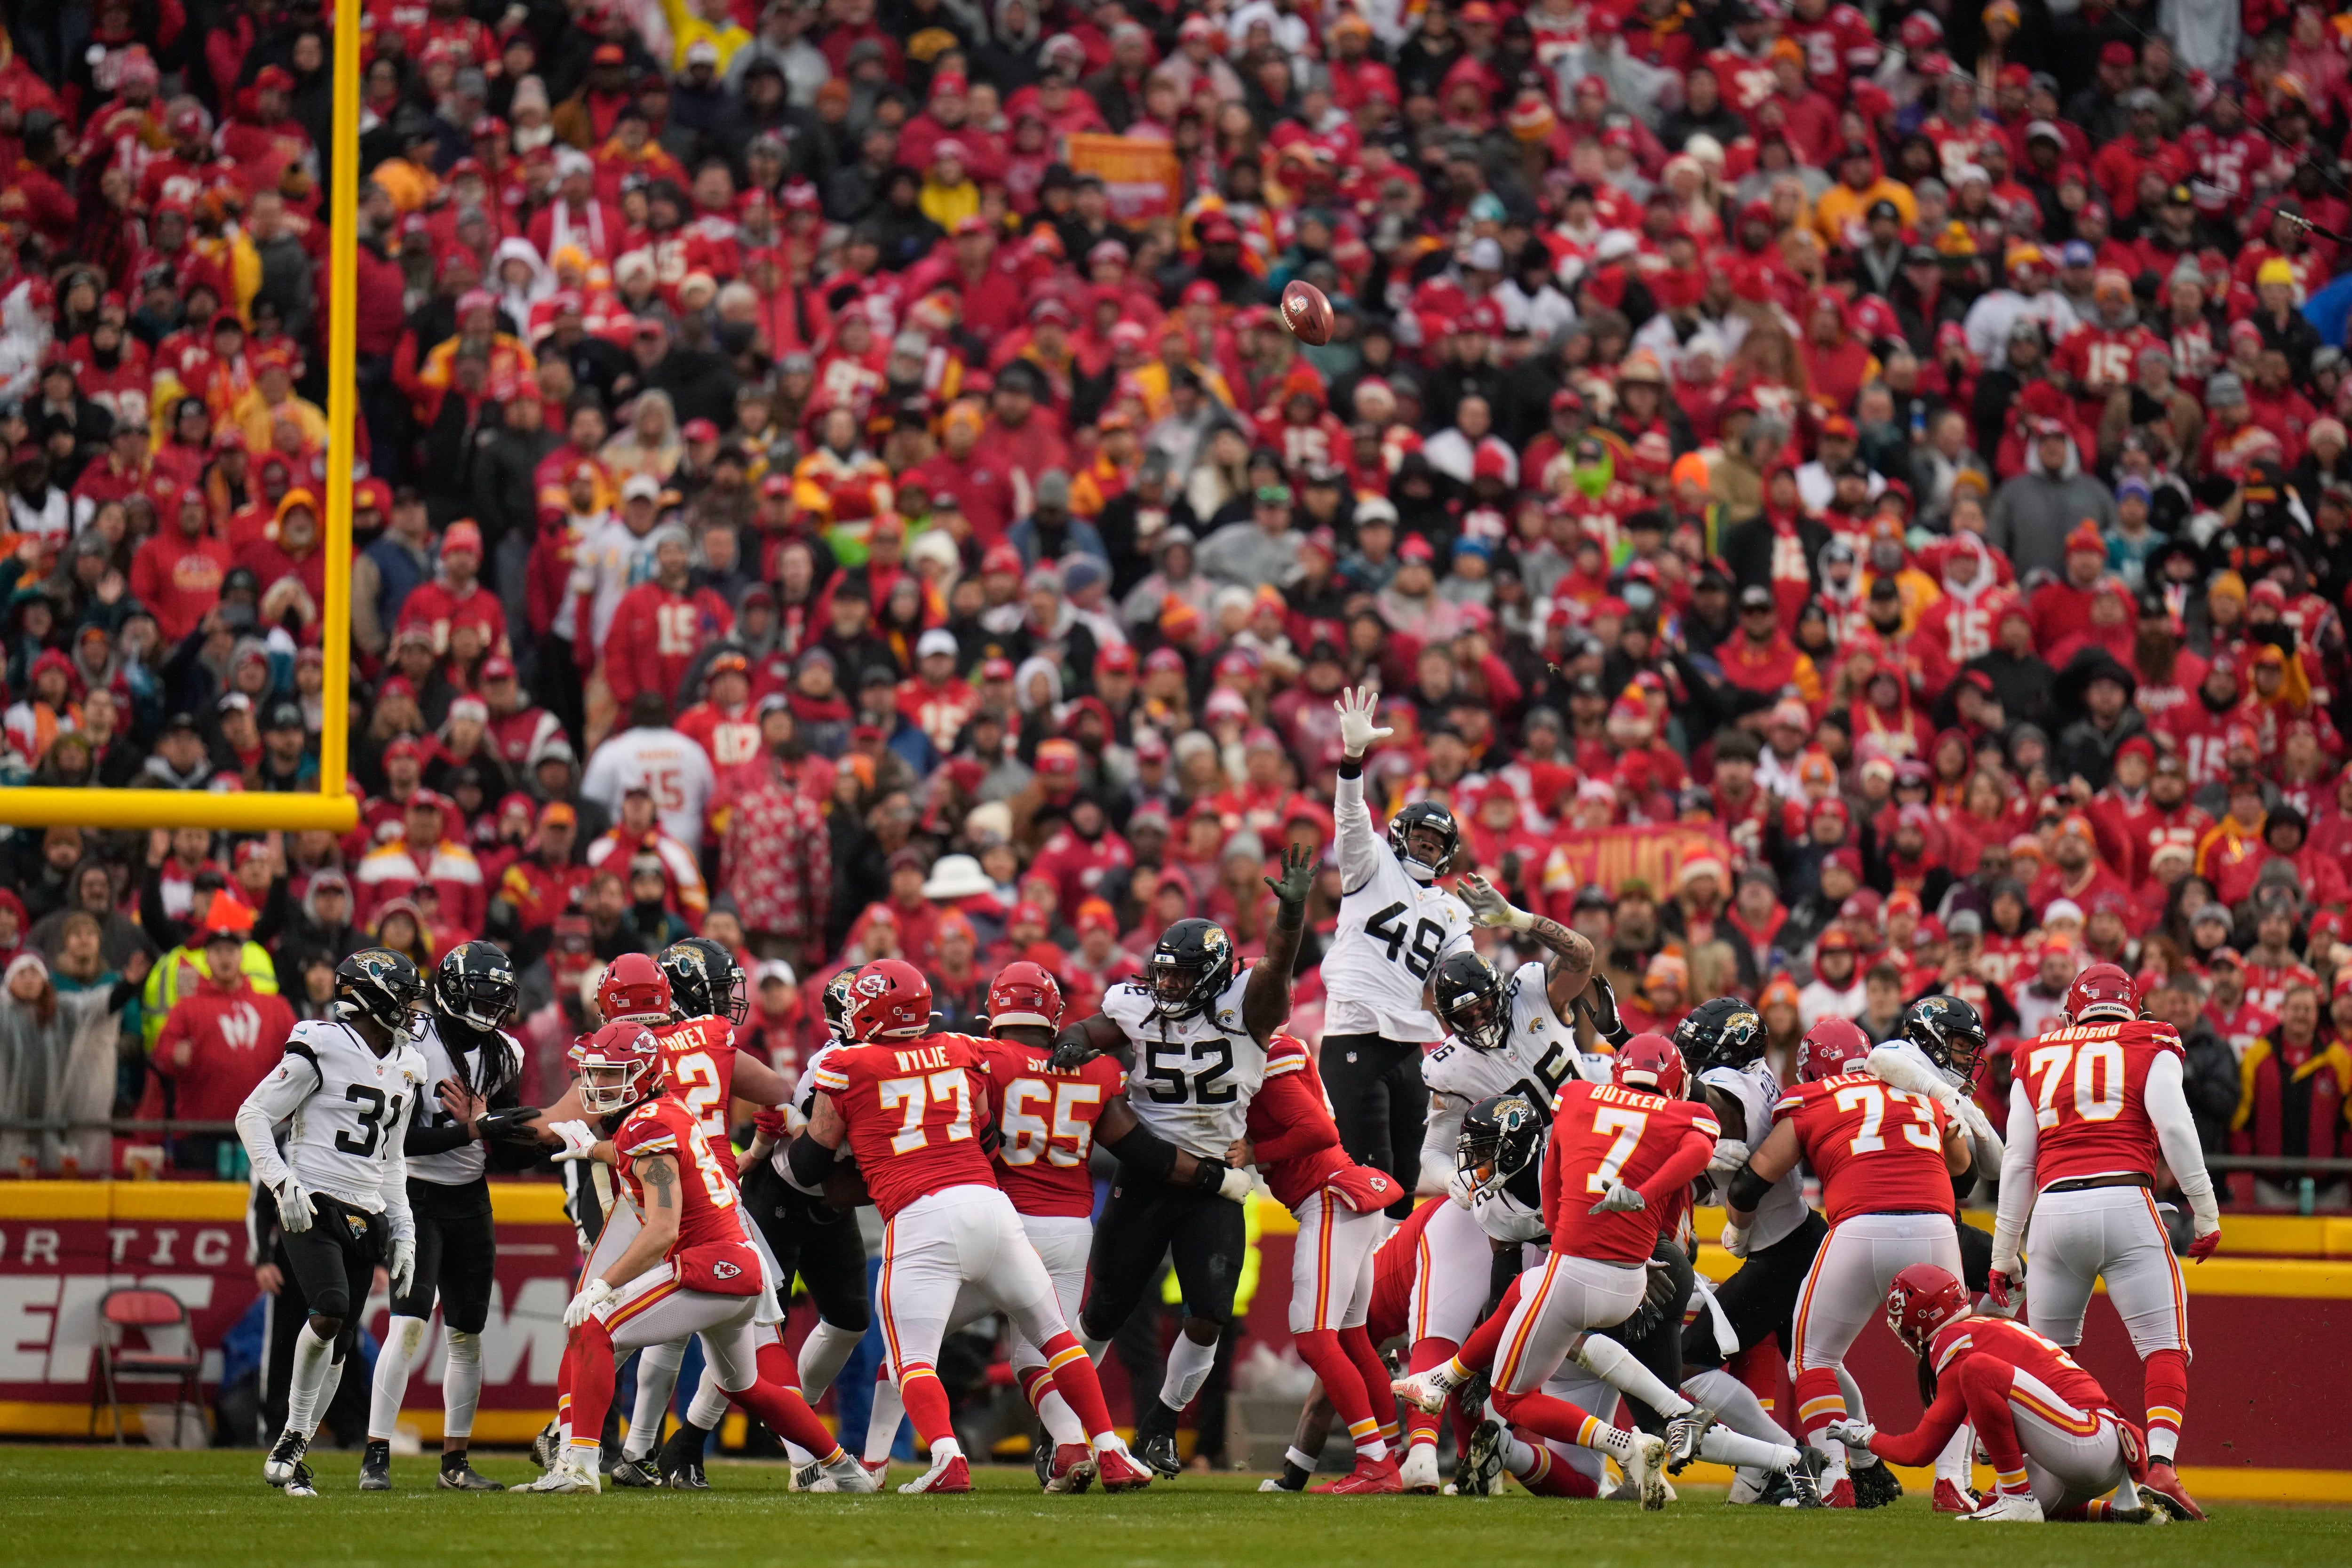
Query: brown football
{"x": 1307, "y": 312}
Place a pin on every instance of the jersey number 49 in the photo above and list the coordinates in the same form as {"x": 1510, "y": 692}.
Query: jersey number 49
{"x": 1419, "y": 951}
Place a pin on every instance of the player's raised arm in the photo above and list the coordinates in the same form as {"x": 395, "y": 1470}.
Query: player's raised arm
{"x": 1360, "y": 846}
{"x": 1266, "y": 1001}
{"x": 1569, "y": 957}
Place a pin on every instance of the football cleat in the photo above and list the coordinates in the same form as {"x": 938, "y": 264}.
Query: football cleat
{"x": 1069, "y": 1468}
{"x": 285, "y": 1458}
{"x": 1041, "y": 1459}
{"x": 463, "y": 1478}
{"x": 1682, "y": 1435}
{"x": 1370, "y": 1476}
{"x": 302, "y": 1483}
{"x": 375, "y": 1467}
{"x": 949, "y": 1473}
{"x": 2006, "y": 1507}
{"x": 568, "y": 1476}
{"x": 1839, "y": 1495}
{"x": 1418, "y": 1471}
{"x": 637, "y": 1475}
{"x": 1482, "y": 1461}
{"x": 1274, "y": 1484}
{"x": 843, "y": 1474}
{"x": 1875, "y": 1486}
{"x": 1803, "y": 1480}
{"x": 1645, "y": 1471}
{"x": 1427, "y": 1391}
{"x": 1119, "y": 1470}
{"x": 1951, "y": 1498}
{"x": 547, "y": 1446}
{"x": 1159, "y": 1451}
{"x": 2162, "y": 1488}
{"x": 678, "y": 1461}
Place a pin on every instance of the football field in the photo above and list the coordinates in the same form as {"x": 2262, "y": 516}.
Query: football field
{"x": 143, "y": 1507}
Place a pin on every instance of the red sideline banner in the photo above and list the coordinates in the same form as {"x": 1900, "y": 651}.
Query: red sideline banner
{"x": 1606, "y": 857}
{"x": 64, "y": 1245}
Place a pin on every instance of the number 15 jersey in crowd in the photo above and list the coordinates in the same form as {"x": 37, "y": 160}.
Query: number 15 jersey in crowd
{"x": 1392, "y": 933}
{"x": 1194, "y": 1077}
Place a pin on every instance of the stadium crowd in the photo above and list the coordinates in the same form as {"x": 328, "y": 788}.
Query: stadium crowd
{"x": 833, "y": 480}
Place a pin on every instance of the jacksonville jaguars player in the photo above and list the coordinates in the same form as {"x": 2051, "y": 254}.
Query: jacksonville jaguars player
{"x": 1196, "y": 1025}
{"x": 1396, "y": 925}
{"x": 474, "y": 1066}
{"x": 351, "y": 1084}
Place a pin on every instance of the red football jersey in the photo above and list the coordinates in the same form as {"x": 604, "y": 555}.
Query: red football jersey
{"x": 1603, "y": 1133}
{"x": 1290, "y": 1128}
{"x": 2088, "y": 1088}
{"x": 663, "y": 1125}
{"x": 911, "y": 1108}
{"x": 1877, "y": 1150}
{"x": 699, "y": 1060}
{"x": 2005, "y": 1339}
{"x": 1047, "y": 1119}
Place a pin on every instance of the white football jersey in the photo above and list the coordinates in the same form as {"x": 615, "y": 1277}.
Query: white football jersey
{"x": 1539, "y": 1054}
{"x": 467, "y": 1161}
{"x": 1392, "y": 932}
{"x": 350, "y": 1111}
{"x": 1192, "y": 1080}
{"x": 801, "y": 1106}
{"x": 1756, "y": 1091}
{"x": 675, "y": 770}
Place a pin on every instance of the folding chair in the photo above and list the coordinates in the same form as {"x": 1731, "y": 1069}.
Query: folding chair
{"x": 148, "y": 1309}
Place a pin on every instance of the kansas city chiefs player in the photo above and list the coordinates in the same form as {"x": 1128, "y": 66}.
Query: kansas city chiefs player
{"x": 914, "y": 1107}
{"x": 2058, "y": 1445}
{"x": 2098, "y": 1104}
{"x": 688, "y": 1268}
{"x": 1885, "y": 1159}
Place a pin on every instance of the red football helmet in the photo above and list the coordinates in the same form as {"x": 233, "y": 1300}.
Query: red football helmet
{"x": 634, "y": 987}
{"x": 1832, "y": 1047}
{"x": 1921, "y": 1300}
{"x": 890, "y": 1000}
{"x": 2102, "y": 991}
{"x": 1651, "y": 1062}
{"x": 1024, "y": 993}
{"x": 619, "y": 1065}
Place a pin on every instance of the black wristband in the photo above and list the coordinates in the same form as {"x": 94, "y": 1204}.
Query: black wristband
{"x": 1211, "y": 1175}
{"x": 1351, "y": 767}
{"x": 810, "y": 1161}
{"x": 1748, "y": 1189}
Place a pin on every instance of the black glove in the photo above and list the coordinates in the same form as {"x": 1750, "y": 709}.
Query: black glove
{"x": 1070, "y": 1055}
{"x": 1599, "y": 1005}
{"x": 508, "y": 1123}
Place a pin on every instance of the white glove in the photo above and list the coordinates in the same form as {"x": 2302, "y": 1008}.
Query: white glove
{"x": 1853, "y": 1433}
{"x": 402, "y": 1265}
{"x": 578, "y": 1137}
{"x": 1730, "y": 1153}
{"x": 1620, "y": 1199}
{"x": 1235, "y": 1184}
{"x": 1490, "y": 908}
{"x": 1978, "y": 1125}
{"x": 1462, "y": 1187}
{"x": 1357, "y": 731}
{"x": 592, "y": 1295}
{"x": 1734, "y": 1239}
{"x": 293, "y": 1206}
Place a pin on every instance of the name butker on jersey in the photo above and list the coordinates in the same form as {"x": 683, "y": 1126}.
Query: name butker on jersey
{"x": 1392, "y": 933}
{"x": 351, "y": 1109}
{"x": 1877, "y": 1150}
{"x": 1192, "y": 1078}
{"x": 466, "y": 1162}
{"x": 1537, "y": 1054}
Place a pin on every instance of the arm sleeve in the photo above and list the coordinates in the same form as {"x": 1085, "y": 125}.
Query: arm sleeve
{"x": 1437, "y": 1142}
{"x": 274, "y": 1098}
{"x": 424, "y": 1139}
{"x": 1359, "y": 846}
{"x": 1893, "y": 1064}
{"x": 2176, "y": 1134}
{"x": 1306, "y": 1125}
{"x": 2017, "y": 1188}
{"x": 1920, "y": 1444}
{"x": 396, "y": 1183}
{"x": 1682, "y": 1166}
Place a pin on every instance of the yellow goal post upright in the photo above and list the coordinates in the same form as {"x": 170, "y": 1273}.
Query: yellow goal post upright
{"x": 333, "y": 807}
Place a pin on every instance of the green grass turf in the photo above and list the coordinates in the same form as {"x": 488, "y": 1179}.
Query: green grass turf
{"x": 76, "y": 1506}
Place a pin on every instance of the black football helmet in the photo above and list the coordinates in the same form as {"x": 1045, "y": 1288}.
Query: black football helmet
{"x": 474, "y": 983}
{"x": 1501, "y": 1136}
{"x": 1951, "y": 1032}
{"x": 1424, "y": 814}
{"x": 705, "y": 980}
{"x": 1471, "y": 1000}
{"x": 380, "y": 985}
{"x": 1722, "y": 1031}
{"x": 1189, "y": 969}
{"x": 836, "y": 1003}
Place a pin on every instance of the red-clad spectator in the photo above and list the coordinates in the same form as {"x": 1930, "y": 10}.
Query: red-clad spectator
{"x": 456, "y": 594}
{"x": 223, "y": 1036}
{"x": 177, "y": 572}
{"x": 425, "y": 854}
{"x": 660, "y": 627}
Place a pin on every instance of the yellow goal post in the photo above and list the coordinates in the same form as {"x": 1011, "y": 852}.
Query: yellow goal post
{"x": 334, "y": 808}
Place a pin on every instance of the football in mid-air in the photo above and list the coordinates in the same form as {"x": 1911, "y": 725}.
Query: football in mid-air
{"x": 1307, "y": 312}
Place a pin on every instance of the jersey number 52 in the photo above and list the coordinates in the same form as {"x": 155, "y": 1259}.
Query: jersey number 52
{"x": 1164, "y": 1070}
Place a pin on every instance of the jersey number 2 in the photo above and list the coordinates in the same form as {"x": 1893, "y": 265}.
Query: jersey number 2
{"x": 1420, "y": 955}
{"x": 374, "y": 1113}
